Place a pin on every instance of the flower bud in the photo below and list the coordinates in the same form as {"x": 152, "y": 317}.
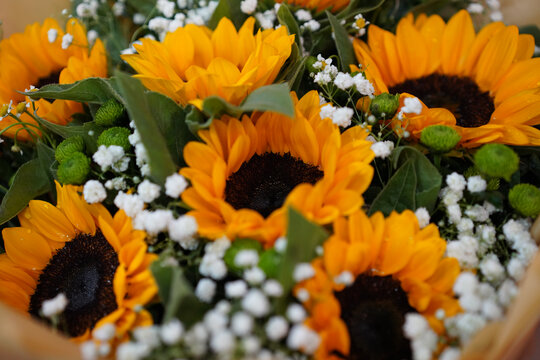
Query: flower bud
{"x": 525, "y": 198}
{"x": 384, "y": 106}
{"x": 115, "y": 136}
{"x": 74, "y": 169}
{"x": 20, "y": 107}
{"x": 109, "y": 113}
{"x": 496, "y": 160}
{"x": 440, "y": 138}
{"x": 68, "y": 147}
{"x": 4, "y": 110}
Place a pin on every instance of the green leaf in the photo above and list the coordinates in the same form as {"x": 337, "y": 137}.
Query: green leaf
{"x": 429, "y": 179}
{"x": 286, "y": 18}
{"x": 171, "y": 120}
{"x": 533, "y": 30}
{"x": 275, "y": 98}
{"x": 91, "y": 90}
{"x": 195, "y": 121}
{"x": 30, "y": 181}
{"x": 359, "y": 7}
{"x": 176, "y": 294}
{"x": 46, "y": 160}
{"x": 303, "y": 237}
{"x": 343, "y": 43}
{"x": 141, "y": 111}
{"x": 229, "y": 9}
{"x": 399, "y": 193}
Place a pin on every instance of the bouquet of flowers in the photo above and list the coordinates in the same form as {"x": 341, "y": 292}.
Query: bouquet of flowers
{"x": 243, "y": 179}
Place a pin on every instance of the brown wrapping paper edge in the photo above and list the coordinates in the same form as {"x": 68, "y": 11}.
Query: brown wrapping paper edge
{"x": 22, "y": 338}
{"x": 506, "y": 340}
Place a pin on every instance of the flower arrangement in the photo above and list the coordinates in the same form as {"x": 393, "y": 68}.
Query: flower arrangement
{"x": 242, "y": 179}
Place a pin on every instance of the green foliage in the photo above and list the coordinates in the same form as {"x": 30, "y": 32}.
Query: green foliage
{"x": 286, "y": 18}
{"x": 115, "y": 136}
{"x": 229, "y": 9}
{"x": 415, "y": 184}
{"x": 269, "y": 262}
{"x": 29, "y": 182}
{"x": 74, "y": 169}
{"x": 176, "y": 293}
{"x": 143, "y": 112}
{"x": 91, "y": 90}
{"x": 343, "y": 43}
{"x": 303, "y": 237}
{"x": 69, "y": 146}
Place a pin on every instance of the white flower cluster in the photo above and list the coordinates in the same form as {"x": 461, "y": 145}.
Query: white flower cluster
{"x": 423, "y": 339}
{"x": 360, "y": 24}
{"x": 486, "y": 290}
{"x": 86, "y": 9}
{"x": 341, "y": 116}
{"x": 248, "y": 6}
{"x": 141, "y": 155}
{"x": 493, "y": 9}
{"x": 111, "y": 157}
{"x": 382, "y": 149}
{"x": 245, "y": 320}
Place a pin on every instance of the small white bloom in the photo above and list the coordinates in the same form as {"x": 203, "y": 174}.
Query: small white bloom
{"x": 450, "y": 353}
{"x": 91, "y": 36}
{"x": 175, "y": 185}
{"x": 254, "y": 276}
{"x": 54, "y": 306}
{"x": 213, "y": 267}
{"x": 303, "y": 271}
{"x": 248, "y": 6}
{"x": 147, "y": 335}
{"x": 52, "y": 34}
{"x": 311, "y": 25}
{"x": 242, "y": 323}
{"x": 343, "y": 81}
{"x": 94, "y": 192}
{"x": 491, "y": 268}
{"x": 454, "y": 213}
{"x": 302, "y": 295}
{"x": 276, "y": 328}
{"x": 183, "y": 231}
{"x": 476, "y": 184}
{"x": 477, "y": 213}
{"x": 235, "y": 289}
{"x": 130, "y": 203}
{"x": 303, "y": 338}
{"x": 346, "y": 278}
{"x": 107, "y": 156}
{"x": 247, "y": 257}
{"x": 89, "y": 350}
{"x": 272, "y": 288}
{"x": 222, "y": 342}
{"x": 171, "y": 332}
{"x": 205, "y": 290}
{"x": 139, "y": 19}
{"x": 303, "y": 15}
{"x": 251, "y": 344}
{"x": 475, "y": 8}
{"x": 296, "y": 313}
{"x": 516, "y": 268}
{"x": 470, "y": 302}
{"x": 465, "y": 225}
{"x": 215, "y": 321}
{"x": 67, "y": 39}
{"x": 281, "y": 244}
{"x": 412, "y": 105}
{"x": 415, "y": 324}
{"x": 496, "y": 16}
{"x": 465, "y": 283}
{"x": 363, "y": 85}
{"x": 105, "y": 332}
{"x": 153, "y": 222}
{"x": 165, "y": 7}
{"x": 423, "y": 217}
{"x": 507, "y": 292}
{"x": 343, "y": 117}
{"x": 456, "y": 182}
{"x": 256, "y": 303}
{"x": 266, "y": 19}
{"x": 491, "y": 310}
{"x": 382, "y": 149}
{"x": 148, "y": 191}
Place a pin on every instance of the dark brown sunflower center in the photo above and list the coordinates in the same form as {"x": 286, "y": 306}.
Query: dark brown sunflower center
{"x": 460, "y": 95}
{"x": 51, "y": 79}
{"x": 374, "y": 309}
{"x": 263, "y": 182}
{"x": 84, "y": 271}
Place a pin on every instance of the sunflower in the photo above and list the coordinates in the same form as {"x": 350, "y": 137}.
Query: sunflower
{"x": 318, "y": 5}
{"x": 248, "y": 171}
{"x": 97, "y": 261}
{"x": 395, "y": 268}
{"x": 195, "y": 62}
{"x": 36, "y": 58}
{"x": 485, "y": 85}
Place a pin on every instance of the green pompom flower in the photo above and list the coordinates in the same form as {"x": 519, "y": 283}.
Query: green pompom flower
{"x": 115, "y": 136}
{"x": 525, "y": 198}
{"x": 440, "y": 138}
{"x": 109, "y": 113}
{"x": 492, "y": 183}
{"x": 68, "y": 147}
{"x": 269, "y": 262}
{"x": 496, "y": 160}
{"x": 74, "y": 169}
{"x": 384, "y": 106}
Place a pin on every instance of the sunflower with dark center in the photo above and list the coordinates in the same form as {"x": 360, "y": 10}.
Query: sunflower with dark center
{"x": 97, "y": 261}
{"x": 485, "y": 85}
{"x": 36, "y": 58}
{"x": 396, "y": 268}
{"x": 246, "y": 172}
